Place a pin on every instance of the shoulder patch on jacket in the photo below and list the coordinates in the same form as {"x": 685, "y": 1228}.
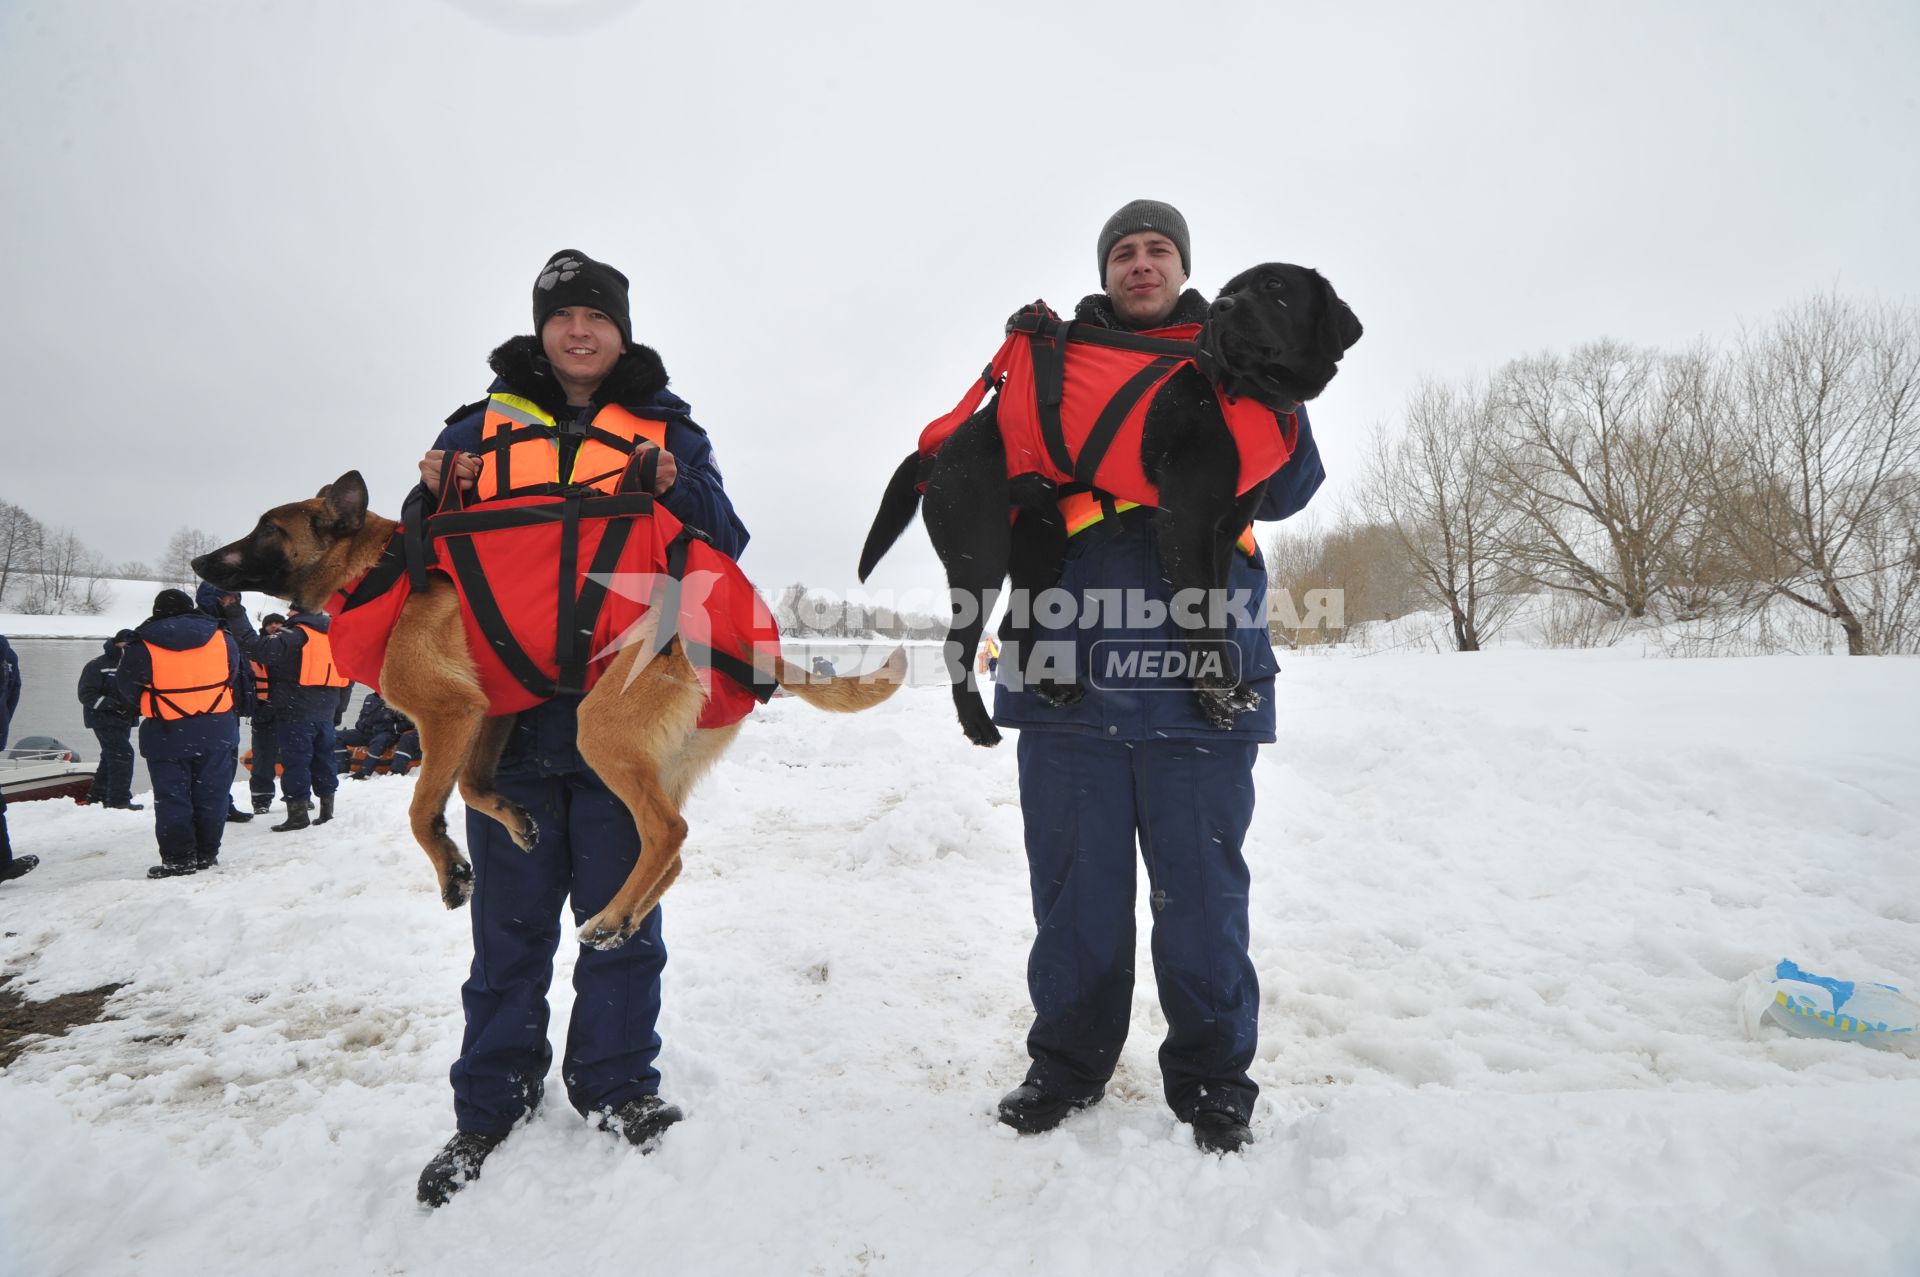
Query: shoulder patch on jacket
{"x": 463, "y": 410}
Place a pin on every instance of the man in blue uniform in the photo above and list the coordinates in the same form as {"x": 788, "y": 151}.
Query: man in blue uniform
{"x": 580, "y": 368}
{"x": 305, "y": 692}
{"x": 186, "y": 676}
{"x": 111, "y": 721}
{"x": 1134, "y": 763}
{"x": 11, "y": 866}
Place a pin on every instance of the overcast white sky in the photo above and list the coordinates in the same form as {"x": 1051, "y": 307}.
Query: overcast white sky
{"x": 251, "y": 246}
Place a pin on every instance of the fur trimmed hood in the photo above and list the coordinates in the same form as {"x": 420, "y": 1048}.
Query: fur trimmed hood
{"x": 1097, "y": 308}
{"x": 523, "y": 366}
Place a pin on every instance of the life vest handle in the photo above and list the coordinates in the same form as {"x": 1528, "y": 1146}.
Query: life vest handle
{"x": 451, "y": 497}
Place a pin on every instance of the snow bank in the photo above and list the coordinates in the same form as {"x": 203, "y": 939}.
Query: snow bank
{"x": 1501, "y": 904}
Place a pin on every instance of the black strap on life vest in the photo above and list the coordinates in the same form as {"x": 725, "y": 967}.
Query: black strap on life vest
{"x": 1107, "y": 425}
{"x": 1047, "y": 343}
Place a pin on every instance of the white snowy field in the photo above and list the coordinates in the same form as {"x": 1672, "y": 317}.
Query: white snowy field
{"x": 1501, "y": 906}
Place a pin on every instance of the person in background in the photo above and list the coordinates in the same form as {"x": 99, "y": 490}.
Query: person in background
{"x": 214, "y": 602}
{"x": 306, "y": 696}
{"x": 11, "y": 866}
{"x": 376, "y": 721}
{"x": 111, "y": 720}
{"x": 266, "y": 729}
{"x": 406, "y": 750}
{"x": 186, "y": 676}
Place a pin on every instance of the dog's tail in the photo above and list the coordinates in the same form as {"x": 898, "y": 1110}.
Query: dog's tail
{"x": 847, "y": 695}
{"x": 896, "y": 512}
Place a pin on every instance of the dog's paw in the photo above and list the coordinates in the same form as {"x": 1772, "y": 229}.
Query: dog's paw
{"x": 1060, "y": 695}
{"x": 458, "y": 888}
{"x": 603, "y": 932}
{"x": 529, "y": 835}
{"x": 1216, "y": 706}
{"x": 1241, "y": 697}
{"x": 978, "y": 726}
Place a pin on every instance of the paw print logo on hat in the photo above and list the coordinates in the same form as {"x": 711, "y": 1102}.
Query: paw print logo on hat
{"x": 558, "y": 271}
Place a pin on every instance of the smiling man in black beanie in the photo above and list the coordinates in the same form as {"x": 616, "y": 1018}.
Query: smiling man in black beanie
{"x": 580, "y": 376}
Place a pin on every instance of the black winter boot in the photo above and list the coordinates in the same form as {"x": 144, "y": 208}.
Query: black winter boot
{"x": 235, "y": 816}
{"x": 455, "y": 1166}
{"x": 19, "y": 867}
{"x": 326, "y": 809}
{"x": 1216, "y": 1132}
{"x": 1030, "y": 1109}
{"x": 296, "y": 816}
{"x": 641, "y": 1120}
{"x": 171, "y": 869}
{"x": 262, "y": 805}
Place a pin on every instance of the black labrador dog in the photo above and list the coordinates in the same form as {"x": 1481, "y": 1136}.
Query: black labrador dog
{"x": 1275, "y": 335}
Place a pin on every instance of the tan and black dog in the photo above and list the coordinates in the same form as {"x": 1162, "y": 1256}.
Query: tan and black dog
{"x": 637, "y": 727}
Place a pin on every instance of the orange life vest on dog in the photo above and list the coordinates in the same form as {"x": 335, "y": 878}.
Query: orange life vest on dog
{"x": 554, "y": 575}
{"x": 190, "y": 683}
{"x": 1073, "y": 409}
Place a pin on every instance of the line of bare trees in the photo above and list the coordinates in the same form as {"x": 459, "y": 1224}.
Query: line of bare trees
{"x": 1662, "y": 485}
{"x": 49, "y": 571}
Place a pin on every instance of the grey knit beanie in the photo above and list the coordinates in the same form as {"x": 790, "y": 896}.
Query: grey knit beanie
{"x": 1145, "y": 215}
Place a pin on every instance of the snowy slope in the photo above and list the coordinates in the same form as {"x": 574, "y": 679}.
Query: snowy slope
{"x": 1500, "y": 906}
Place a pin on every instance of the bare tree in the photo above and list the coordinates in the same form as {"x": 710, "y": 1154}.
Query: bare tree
{"x": 21, "y": 538}
{"x": 1435, "y": 486}
{"x": 1602, "y": 457}
{"x": 183, "y": 547}
{"x": 1361, "y": 563}
{"x": 66, "y": 577}
{"x": 1823, "y": 445}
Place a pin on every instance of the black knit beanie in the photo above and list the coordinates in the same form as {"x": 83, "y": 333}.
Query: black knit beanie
{"x": 1145, "y": 215}
{"x": 571, "y": 278}
{"x": 172, "y": 603}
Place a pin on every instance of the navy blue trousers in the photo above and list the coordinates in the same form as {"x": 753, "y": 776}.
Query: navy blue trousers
{"x": 306, "y": 760}
{"x": 113, "y": 779}
{"x": 406, "y": 754}
{"x": 190, "y": 799}
{"x": 266, "y": 755}
{"x": 587, "y": 847}
{"x": 1086, "y": 803}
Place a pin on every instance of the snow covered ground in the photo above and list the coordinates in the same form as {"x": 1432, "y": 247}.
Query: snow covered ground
{"x": 1501, "y": 905}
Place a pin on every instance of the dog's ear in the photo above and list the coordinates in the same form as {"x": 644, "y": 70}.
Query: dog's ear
{"x": 1339, "y": 326}
{"x": 346, "y": 499}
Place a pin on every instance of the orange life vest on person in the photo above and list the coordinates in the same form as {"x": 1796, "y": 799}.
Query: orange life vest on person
{"x": 316, "y": 661}
{"x": 186, "y": 684}
{"x": 262, "y": 682}
{"x": 520, "y": 448}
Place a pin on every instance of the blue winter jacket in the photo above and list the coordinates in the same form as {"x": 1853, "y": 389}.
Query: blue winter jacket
{"x": 281, "y": 654}
{"x": 100, "y": 704}
{"x": 9, "y": 687}
{"x": 180, "y": 737}
{"x": 543, "y": 739}
{"x": 1135, "y": 688}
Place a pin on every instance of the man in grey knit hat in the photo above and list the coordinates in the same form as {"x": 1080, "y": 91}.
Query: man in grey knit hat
{"x": 1145, "y": 258}
{"x": 1132, "y": 770}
